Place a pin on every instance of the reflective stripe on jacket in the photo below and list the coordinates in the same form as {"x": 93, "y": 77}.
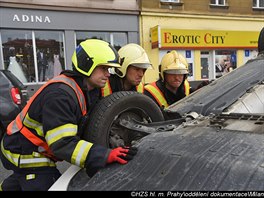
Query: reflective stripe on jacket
{"x": 27, "y": 161}
{"x": 107, "y": 90}
{"x": 153, "y": 89}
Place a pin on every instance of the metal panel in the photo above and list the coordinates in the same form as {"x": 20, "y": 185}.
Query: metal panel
{"x": 190, "y": 158}
{"x": 42, "y": 19}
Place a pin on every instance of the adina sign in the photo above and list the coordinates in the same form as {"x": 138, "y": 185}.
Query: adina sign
{"x": 31, "y": 18}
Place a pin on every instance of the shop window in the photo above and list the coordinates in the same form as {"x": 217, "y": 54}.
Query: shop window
{"x": 225, "y": 61}
{"x": 50, "y": 54}
{"x": 82, "y": 36}
{"x": 117, "y": 39}
{"x": 258, "y": 4}
{"x": 18, "y": 54}
{"x": 205, "y": 64}
{"x": 250, "y": 54}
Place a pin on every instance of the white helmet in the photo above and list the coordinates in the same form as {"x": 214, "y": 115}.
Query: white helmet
{"x": 132, "y": 54}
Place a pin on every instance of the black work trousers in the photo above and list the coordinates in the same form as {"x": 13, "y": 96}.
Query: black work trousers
{"x": 38, "y": 181}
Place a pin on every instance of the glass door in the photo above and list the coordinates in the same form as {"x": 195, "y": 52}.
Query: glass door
{"x": 205, "y": 65}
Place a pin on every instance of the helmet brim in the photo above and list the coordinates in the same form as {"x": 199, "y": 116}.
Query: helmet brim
{"x": 110, "y": 65}
{"x": 176, "y": 71}
{"x": 142, "y": 65}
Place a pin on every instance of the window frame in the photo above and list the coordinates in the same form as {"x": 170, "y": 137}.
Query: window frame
{"x": 170, "y": 1}
{"x": 257, "y": 4}
{"x": 217, "y": 3}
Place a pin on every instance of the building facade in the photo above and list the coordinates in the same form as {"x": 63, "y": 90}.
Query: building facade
{"x": 209, "y": 33}
{"x": 39, "y": 37}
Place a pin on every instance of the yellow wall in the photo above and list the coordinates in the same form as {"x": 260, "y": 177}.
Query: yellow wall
{"x": 197, "y": 63}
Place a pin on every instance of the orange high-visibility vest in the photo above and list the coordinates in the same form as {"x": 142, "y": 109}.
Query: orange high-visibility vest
{"x": 18, "y": 126}
{"x": 159, "y": 96}
{"x": 107, "y": 90}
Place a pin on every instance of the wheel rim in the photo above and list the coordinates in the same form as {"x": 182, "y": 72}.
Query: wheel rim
{"x": 121, "y": 136}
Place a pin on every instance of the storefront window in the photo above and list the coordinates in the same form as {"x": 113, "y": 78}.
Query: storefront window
{"x": 18, "y": 54}
{"x": 82, "y": 36}
{"x": 189, "y": 55}
{"x": 117, "y": 39}
{"x": 50, "y": 54}
{"x": 225, "y": 61}
{"x": 205, "y": 64}
{"x": 250, "y": 54}
{"x": 19, "y": 57}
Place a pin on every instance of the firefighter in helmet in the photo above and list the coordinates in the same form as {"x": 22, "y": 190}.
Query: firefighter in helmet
{"x": 128, "y": 77}
{"x": 172, "y": 85}
{"x": 49, "y": 128}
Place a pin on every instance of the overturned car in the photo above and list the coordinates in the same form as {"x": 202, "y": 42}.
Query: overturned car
{"x": 211, "y": 140}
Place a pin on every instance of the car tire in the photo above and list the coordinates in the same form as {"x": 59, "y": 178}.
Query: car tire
{"x": 102, "y": 127}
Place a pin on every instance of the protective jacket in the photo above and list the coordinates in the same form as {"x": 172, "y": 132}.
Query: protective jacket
{"x": 114, "y": 84}
{"x": 164, "y": 97}
{"x": 49, "y": 128}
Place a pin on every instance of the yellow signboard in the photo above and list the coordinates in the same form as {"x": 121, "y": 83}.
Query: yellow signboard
{"x": 155, "y": 37}
{"x": 207, "y": 39}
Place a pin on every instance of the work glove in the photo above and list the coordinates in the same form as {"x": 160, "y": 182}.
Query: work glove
{"x": 121, "y": 155}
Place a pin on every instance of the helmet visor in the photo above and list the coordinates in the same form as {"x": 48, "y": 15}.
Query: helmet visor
{"x": 109, "y": 64}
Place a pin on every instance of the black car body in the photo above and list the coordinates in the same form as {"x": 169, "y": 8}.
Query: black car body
{"x": 13, "y": 97}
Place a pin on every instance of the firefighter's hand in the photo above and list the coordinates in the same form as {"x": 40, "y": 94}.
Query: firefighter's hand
{"x": 121, "y": 154}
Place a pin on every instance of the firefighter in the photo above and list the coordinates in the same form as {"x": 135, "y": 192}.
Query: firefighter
{"x": 172, "y": 84}
{"x": 134, "y": 63}
{"x": 50, "y": 127}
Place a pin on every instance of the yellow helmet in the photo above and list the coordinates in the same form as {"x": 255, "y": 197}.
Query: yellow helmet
{"x": 132, "y": 54}
{"x": 173, "y": 63}
{"x": 92, "y": 53}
